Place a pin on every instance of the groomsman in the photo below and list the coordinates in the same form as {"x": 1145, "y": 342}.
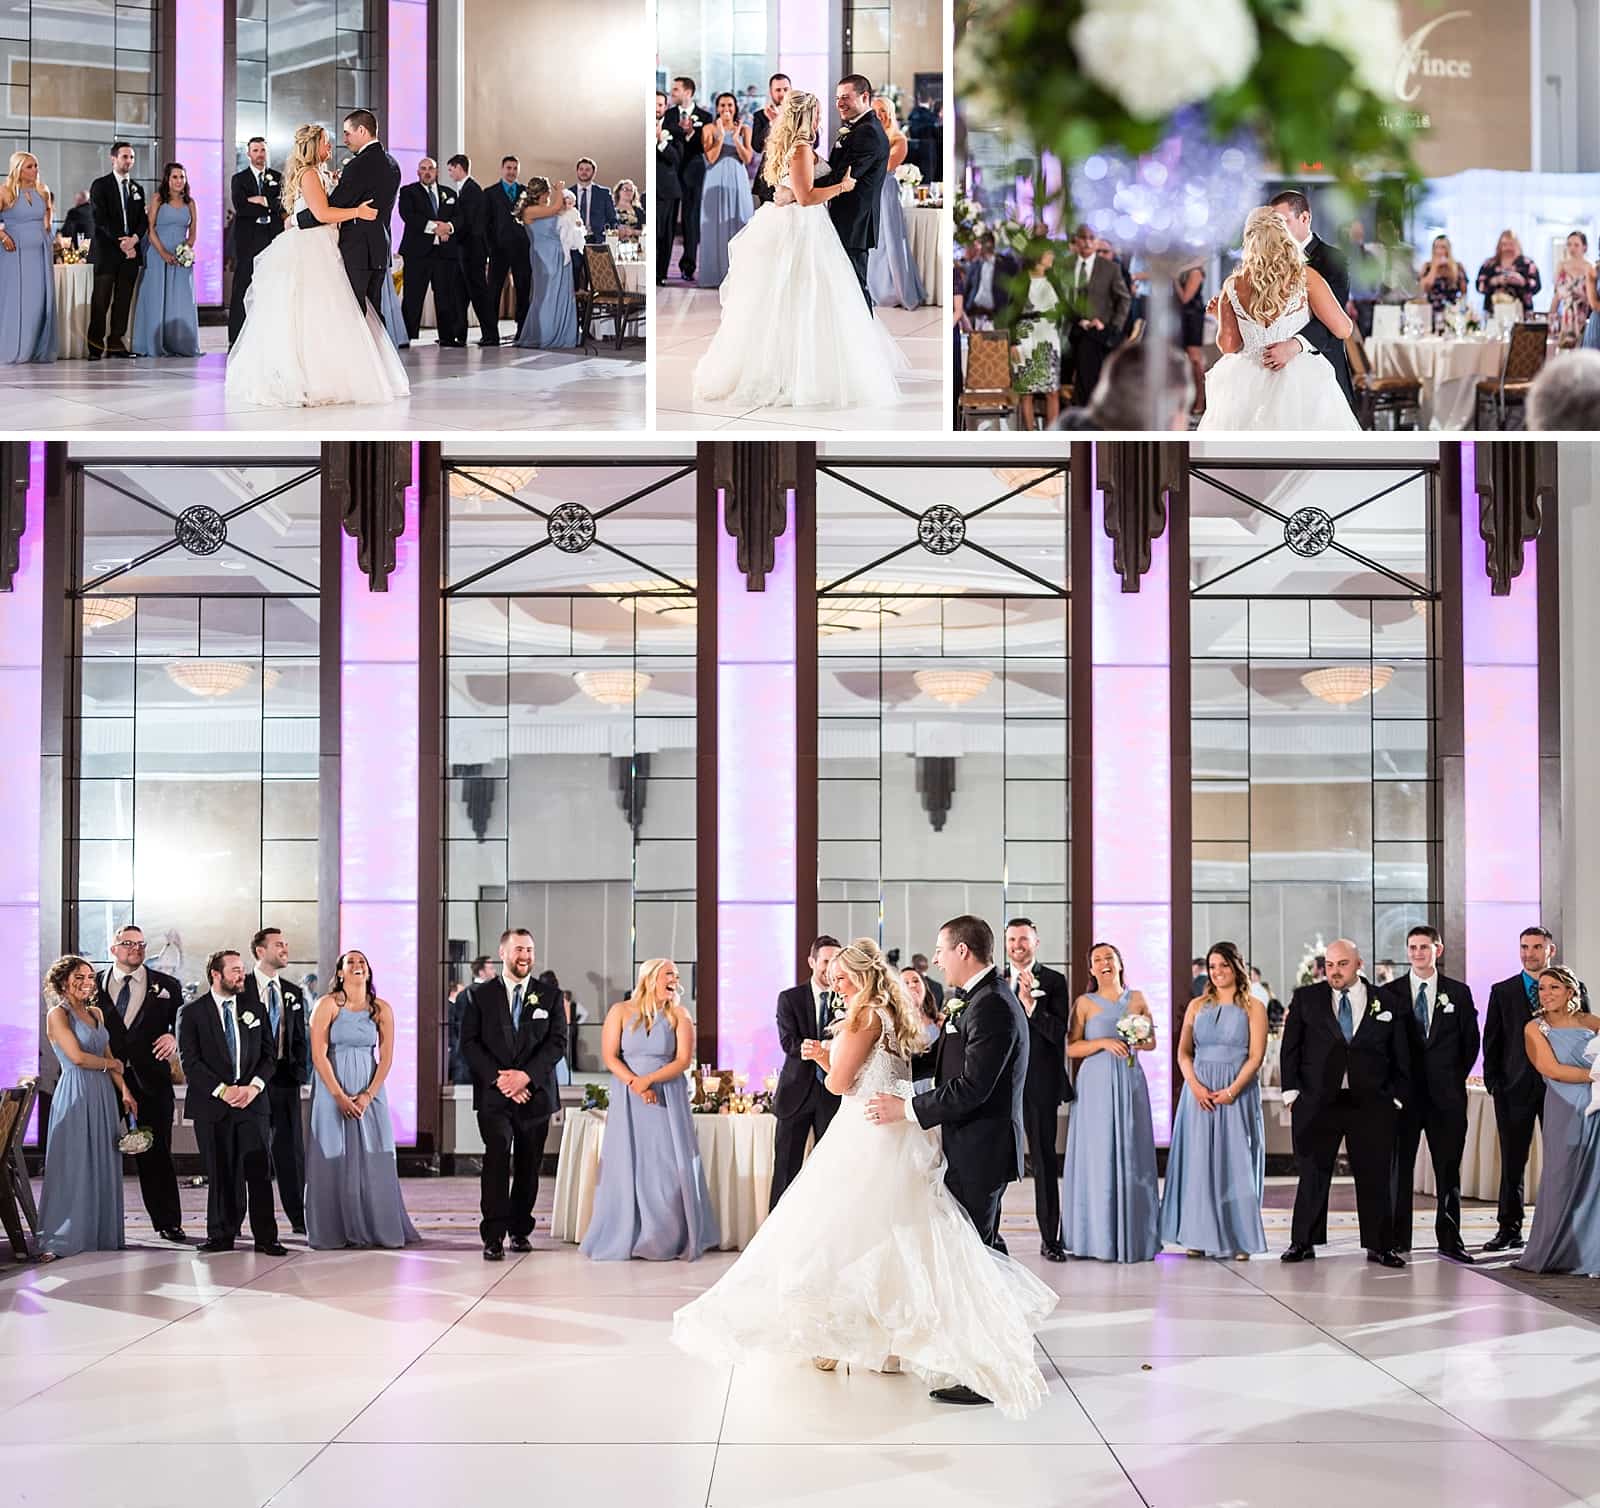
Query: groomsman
{"x": 508, "y": 243}
{"x": 1346, "y": 1072}
{"x": 471, "y": 232}
{"x": 1046, "y": 999}
{"x": 802, "y": 1102}
{"x": 120, "y": 223}
{"x": 669, "y": 189}
{"x": 685, "y": 122}
{"x": 596, "y": 208}
{"x": 227, "y": 1058}
{"x": 1442, "y": 1024}
{"x": 512, "y": 1037}
{"x": 761, "y": 124}
{"x": 283, "y": 1007}
{"x": 428, "y": 210}
{"x": 140, "y": 1007}
{"x": 257, "y": 222}
{"x": 1515, "y": 1084}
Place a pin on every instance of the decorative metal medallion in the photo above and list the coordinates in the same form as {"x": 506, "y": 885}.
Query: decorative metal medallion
{"x": 572, "y": 528}
{"x": 1308, "y": 533}
{"x": 201, "y": 530}
{"x": 942, "y": 530}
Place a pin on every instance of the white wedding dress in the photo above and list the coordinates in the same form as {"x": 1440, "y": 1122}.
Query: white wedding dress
{"x": 306, "y": 340}
{"x": 867, "y": 1255}
{"x": 1241, "y": 394}
{"x": 795, "y": 330}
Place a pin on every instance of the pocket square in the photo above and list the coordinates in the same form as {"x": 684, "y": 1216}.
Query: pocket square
{"x": 1386, "y": 1015}
{"x": 295, "y": 1005}
{"x": 950, "y": 1029}
{"x": 1449, "y": 1009}
{"x": 541, "y": 1014}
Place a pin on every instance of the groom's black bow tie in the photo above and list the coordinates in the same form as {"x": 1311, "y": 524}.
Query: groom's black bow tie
{"x": 956, "y": 992}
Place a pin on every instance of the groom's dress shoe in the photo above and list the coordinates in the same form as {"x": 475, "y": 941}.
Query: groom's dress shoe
{"x": 1457, "y": 1254}
{"x": 1052, "y": 1251}
{"x": 1386, "y": 1258}
{"x": 494, "y": 1252}
{"x": 960, "y": 1393}
{"x": 1299, "y": 1254}
{"x": 1506, "y": 1240}
{"x": 521, "y": 1243}
{"x": 272, "y": 1248}
{"x": 208, "y": 1247}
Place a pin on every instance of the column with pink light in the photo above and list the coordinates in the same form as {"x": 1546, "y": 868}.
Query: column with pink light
{"x": 807, "y": 33}
{"x": 1132, "y": 802}
{"x": 379, "y": 758}
{"x": 197, "y": 69}
{"x": 404, "y": 130}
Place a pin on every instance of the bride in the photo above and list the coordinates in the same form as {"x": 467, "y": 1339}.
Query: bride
{"x": 795, "y": 329}
{"x": 868, "y": 1259}
{"x": 1272, "y": 296}
{"x": 306, "y": 339}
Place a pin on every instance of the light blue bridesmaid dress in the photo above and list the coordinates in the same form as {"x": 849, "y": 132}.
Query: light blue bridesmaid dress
{"x": 1566, "y": 1215}
{"x": 1108, "y": 1180}
{"x": 652, "y": 1200}
{"x": 552, "y": 322}
{"x": 394, "y": 319}
{"x": 352, "y": 1183}
{"x": 892, "y": 276}
{"x": 81, "y": 1206}
{"x": 1217, "y": 1164}
{"x": 165, "y": 321}
{"x": 726, "y": 205}
{"x": 27, "y": 285}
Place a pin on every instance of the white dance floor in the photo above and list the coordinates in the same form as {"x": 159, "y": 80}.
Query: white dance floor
{"x": 155, "y": 1377}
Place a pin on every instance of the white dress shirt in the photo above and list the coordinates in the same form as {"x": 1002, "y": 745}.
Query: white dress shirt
{"x": 138, "y": 983}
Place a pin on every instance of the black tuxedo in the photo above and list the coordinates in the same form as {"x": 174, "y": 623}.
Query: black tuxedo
{"x": 513, "y": 1134}
{"x": 1044, "y": 1090}
{"x": 668, "y": 201}
{"x": 980, "y": 1069}
{"x": 79, "y": 223}
{"x": 150, "y": 1083}
{"x": 115, "y": 275}
{"x": 472, "y": 231}
{"x": 1316, "y": 1060}
{"x": 254, "y": 229}
{"x": 440, "y": 265}
{"x": 290, "y": 1069}
{"x": 233, "y": 1143}
{"x": 509, "y": 252}
{"x": 863, "y": 148}
{"x": 364, "y": 244}
{"x": 684, "y": 127}
{"x": 802, "y": 1104}
{"x": 1323, "y": 258}
{"x": 1517, "y": 1087}
{"x": 1440, "y": 1064}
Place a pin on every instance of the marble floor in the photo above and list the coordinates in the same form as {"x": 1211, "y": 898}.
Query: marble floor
{"x": 156, "y": 1377}
{"x": 497, "y": 389}
{"x": 686, "y": 319}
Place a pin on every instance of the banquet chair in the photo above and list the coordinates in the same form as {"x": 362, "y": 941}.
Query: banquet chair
{"x": 608, "y": 296}
{"x": 986, "y": 392}
{"x": 18, "y": 1214}
{"x": 1498, "y": 397}
{"x": 1398, "y": 399}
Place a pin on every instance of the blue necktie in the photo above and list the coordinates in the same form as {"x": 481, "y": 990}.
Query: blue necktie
{"x": 1420, "y": 1009}
{"x": 232, "y": 1034}
{"x": 122, "y": 997}
{"x": 824, "y": 1015}
{"x": 273, "y": 1007}
{"x": 1533, "y": 997}
{"x": 1346, "y": 1021}
{"x": 516, "y": 1009}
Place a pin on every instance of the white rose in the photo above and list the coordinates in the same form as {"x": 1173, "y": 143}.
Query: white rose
{"x": 1156, "y": 55}
{"x": 1366, "y": 32}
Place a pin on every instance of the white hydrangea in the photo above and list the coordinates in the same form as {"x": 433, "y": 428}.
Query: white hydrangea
{"x": 1158, "y": 55}
{"x": 1366, "y": 32}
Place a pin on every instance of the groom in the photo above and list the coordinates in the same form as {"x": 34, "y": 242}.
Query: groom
{"x": 1315, "y": 339}
{"x": 977, "y": 1098}
{"x": 364, "y": 244}
{"x": 861, "y": 148}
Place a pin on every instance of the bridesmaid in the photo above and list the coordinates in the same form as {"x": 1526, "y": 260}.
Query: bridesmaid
{"x": 394, "y": 319}
{"x": 552, "y": 322}
{"x": 892, "y": 276}
{"x": 1217, "y": 1166}
{"x": 27, "y": 279}
{"x": 1108, "y": 1181}
{"x": 725, "y": 201}
{"x": 1566, "y": 1215}
{"x": 652, "y": 1200}
{"x": 165, "y": 321}
{"x": 81, "y": 1206}
{"x": 352, "y": 1183}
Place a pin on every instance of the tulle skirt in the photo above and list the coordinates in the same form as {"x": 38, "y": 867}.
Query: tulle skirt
{"x": 796, "y": 331}
{"x": 1241, "y": 394}
{"x": 868, "y": 1256}
{"x": 306, "y": 340}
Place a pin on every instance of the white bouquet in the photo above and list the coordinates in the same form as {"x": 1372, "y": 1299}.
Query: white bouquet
{"x": 908, "y": 174}
{"x": 1134, "y": 1029}
{"x": 1592, "y": 1053}
{"x": 184, "y": 255}
{"x": 137, "y": 1139}
{"x": 1185, "y": 51}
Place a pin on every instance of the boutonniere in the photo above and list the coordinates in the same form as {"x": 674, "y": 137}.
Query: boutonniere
{"x": 249, "y": 1018}
{"x": 1446, "y": 1004}
{"x": 844, "y": 131}
{"x": 953, "y": 1013}
{"x": 532, "y": 999}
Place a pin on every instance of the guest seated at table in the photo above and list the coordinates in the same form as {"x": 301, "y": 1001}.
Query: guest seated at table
{"x": 165, "y": 321}
{"x": 1120, "y": 397}
{"x": 552, "y": 322}
{"x": 652, "y": 1200}
{"x": 1566, "y": 394}
{"x": 1036, "y": 345}
{"x": 1566, "y": 1216}
{"x": 1443, "y": 279}
{"x": 630, "y": 212}
{"x": 1508, "y": 271}
{"x": 1569, "y": 304}
{"x": 78, "y": 224}
{"x": 893, "y": 279}
{"x": 27, "y": 279}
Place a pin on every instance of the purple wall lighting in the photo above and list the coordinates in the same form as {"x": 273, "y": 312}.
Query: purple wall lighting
{"x": 405, "y": 129}
{"x": 1500, "y": 691}
{"x": 1132, "y": 805}
{"x": 379, "y": 686}
{"x": 21, "y": 676}
{"x": 756, "y": 773}
{"x": 197, "y": 133}
{"x": 803, "y": 29}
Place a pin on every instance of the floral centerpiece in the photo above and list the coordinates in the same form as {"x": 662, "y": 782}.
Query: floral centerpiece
{"x": 70, "y": 254}
{"x": 596, "y": 1097}
{"x": 1306, "y": 970}
{"x": 725, "y": 1092}
{"x": 908, "y": 173}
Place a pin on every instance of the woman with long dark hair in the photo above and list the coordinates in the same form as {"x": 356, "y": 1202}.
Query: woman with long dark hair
{"x": 165, "y": 320}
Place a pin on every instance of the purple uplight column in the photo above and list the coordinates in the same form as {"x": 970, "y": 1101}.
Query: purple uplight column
{"x": 1132, "y": 804}
{"x": 21, "y": 688}
{"x": 803, "y": 30}
{"x": 379, "y": 686}
{"x": 756, "y": 773}
{"x": 197, "y": 134}
{"x": 1500, "y": 691}
{"x": 405, "y": 130}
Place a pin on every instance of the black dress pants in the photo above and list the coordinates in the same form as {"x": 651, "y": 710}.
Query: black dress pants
{"x": 1367, "y": 1129}
{"x": 1446, "y": 1130}
{"x": 1516, "y": 1113}
{"x": 1039, "y": 1124}
{"x": 234, "y": 1150}
{"x": 789, "y": 1146}
{"x": 508, "y": 1188}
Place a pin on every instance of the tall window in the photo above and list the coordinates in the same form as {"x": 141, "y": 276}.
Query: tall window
{"x": 197, "y": 588}
{"x": 570, "y": 721}
{"x": 942, "y": 695}
{"x": 1314, "y": 697}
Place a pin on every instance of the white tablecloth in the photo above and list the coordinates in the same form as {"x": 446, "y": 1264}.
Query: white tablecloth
{"x": 632, "y": 275}
{"x": 1480, "y": 1162}
{"x": 925, "y": 232}
{"x": 1448, "y": 369}
{"x": 74, "y": 293}
{"x": 736, "y": 1151}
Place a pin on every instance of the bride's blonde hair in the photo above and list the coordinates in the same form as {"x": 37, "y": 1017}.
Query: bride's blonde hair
{"x": 304, "y": 157}
{"x": 880, "y": 986}
{"x": 1273, "y": 264}
{"x": 797, "y": 125}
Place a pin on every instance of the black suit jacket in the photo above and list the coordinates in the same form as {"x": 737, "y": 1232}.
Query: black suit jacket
{"x": 1506, "y": 1069}
{"x": 371, "y": 174}
{"x": 416, "y": 210}
{"x": 798, "y": 1084}
{"x": 135, "y": 1045}
{"x": 1316, "y": 1058}
{"x": 472, "y": 211}
{"x": 692, "y": 154}
{"x": 203, "y": 1048}
{"x": 863, "y": 148}
{"x": 501, "y": 226}
{"x": 296, "y": 1067}
{"x": 669, "y": 169}
{"x": 107, "y": 205}
{"x": 1335, "y": 271}
{"x": 488, "y": 1044}
{"x": 250, "y": 236}
{"x": 79, "y": 221}
{"x": 977, "y": 1097}
{"x": 1047, "y": 1083}
{"x": 1439, "y": 1065}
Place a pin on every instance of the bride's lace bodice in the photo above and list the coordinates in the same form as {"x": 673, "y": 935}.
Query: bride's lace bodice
{"x": 886, "y": 1065}
{"x": 1256, "y": 336}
